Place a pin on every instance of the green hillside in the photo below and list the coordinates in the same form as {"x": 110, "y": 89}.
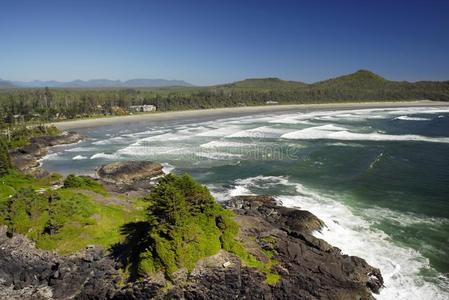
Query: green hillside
{"x": 43, "y": 104}
{"x": 266, "y": 84}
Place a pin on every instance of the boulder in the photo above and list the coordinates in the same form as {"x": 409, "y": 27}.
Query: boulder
{"x": 129, "y": 172}
{"x": 54, "y": 140}
{"x": 269, "y": 208}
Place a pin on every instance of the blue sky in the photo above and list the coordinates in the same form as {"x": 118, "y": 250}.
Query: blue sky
{"x": 208, "y": 42}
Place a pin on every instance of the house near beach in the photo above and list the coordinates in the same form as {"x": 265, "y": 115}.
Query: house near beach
{"x": 142, "y": 108}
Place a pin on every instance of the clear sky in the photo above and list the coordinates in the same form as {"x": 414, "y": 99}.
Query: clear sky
{"x": 208, "y": 42}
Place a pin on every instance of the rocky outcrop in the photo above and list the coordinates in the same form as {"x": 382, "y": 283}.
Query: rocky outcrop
{"x": 29, "y": 273}
{"x": 309, "y": 267}
{"x": 26, "y": 158}
{"x": 130, "y": 175}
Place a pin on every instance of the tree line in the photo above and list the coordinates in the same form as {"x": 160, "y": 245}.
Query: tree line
{"x": 42, "y": 105}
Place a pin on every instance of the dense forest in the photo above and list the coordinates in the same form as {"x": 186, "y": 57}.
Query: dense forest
{"x": 44, "y": 104}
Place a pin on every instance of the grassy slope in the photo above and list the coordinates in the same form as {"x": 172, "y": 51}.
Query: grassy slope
{"x": 79, "y": 214}
{"x": 28, "y": 206}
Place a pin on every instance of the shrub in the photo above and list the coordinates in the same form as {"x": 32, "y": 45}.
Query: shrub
{"x": 5, "y": 162}
{"x": 84, "y": 182}
{"x": 184, "y": 223}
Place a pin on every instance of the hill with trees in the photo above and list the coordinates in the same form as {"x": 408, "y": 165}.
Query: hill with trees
{"x": 45, "y": 104}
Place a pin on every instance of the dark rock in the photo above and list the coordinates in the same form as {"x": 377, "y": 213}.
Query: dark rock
{"x": 309, "y": 267}
{"x": 26, "y": 159}
{"x": 54, "y": 140}
{"x": 130, "y": 175}
{"x": 269, "y": 208}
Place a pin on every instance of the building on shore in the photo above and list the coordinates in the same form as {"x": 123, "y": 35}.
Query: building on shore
{"x": 271, "y": 102}
{"x": 142, "y": 108}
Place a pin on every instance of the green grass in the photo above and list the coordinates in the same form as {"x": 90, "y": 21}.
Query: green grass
{"x": 86, "y": 183}
{"x": 65, "y": 220}
{"x": 231, "y": 245}
{"x": 101, "y": 226}
{"x": 185, "y": 223}
{"x": 272, "y": 278}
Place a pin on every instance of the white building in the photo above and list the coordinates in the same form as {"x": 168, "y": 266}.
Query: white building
{"x": 142, "y": 108}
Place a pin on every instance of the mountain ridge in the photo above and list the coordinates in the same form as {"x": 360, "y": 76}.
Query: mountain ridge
{"x": 359, "y": 79}
{"x": 100, "y": 83}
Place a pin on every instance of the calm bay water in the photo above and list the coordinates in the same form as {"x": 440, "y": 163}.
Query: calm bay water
{"x": 379, "y": 178}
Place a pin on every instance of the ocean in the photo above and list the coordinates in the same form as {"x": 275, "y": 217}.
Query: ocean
{"x": 378, "y": 177}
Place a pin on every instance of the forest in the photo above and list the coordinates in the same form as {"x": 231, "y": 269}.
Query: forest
{"x": 19, "y": 105}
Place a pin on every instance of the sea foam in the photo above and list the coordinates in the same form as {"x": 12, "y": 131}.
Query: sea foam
{"x": 400, "y": 267}
{"x": 326, "y": 132}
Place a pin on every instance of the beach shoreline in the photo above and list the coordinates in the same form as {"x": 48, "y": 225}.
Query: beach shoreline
{"x": 234, "y": 111}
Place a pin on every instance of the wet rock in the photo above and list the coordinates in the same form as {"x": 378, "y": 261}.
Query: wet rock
{"x": 131, "y": 174}
{"x": 26, "y": 158}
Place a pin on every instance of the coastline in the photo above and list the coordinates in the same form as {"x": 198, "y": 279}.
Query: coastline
{"x": 234, "y": 111}
{"x": 333, "y": 237}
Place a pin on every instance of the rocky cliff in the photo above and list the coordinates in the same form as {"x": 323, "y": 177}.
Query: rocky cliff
{"x": 26, "y": 158}
{"x": 309, "y": 267}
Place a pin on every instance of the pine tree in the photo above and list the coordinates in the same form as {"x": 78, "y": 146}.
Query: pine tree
{"x": 5, "y": 162}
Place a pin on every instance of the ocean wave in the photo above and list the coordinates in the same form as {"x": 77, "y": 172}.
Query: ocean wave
{"x": 113, "y": 140}
{"x": 167, "y": 168}
{"x": 320, "y": 133}
{"x": 400, "y": 267}
{"x": 403, "y": 218}
{"x": 220, "y": 132}
{"x": 218, "y": 155}
{"x": 338, "y": 144}
{"x": 52, "y": 156}
{"x": 260, "y": 133}
{"x": 352, "y": 115}
{"x": 81, "y": 149}
{"x": 151, "y": 152}
{"x": 408, "y": 118}
{"x": 225, "y": 144}
{"x": 79, "y": 157}
{"x": 104, "y": 156}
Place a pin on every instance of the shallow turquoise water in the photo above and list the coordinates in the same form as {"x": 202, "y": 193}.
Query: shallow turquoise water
{"x": 379, "y": 178}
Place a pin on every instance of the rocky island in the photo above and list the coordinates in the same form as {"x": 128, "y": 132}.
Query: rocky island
{"x": 165, "y": 238}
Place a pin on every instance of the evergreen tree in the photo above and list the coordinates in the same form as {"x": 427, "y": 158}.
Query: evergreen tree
{"x": 5, "y": 162}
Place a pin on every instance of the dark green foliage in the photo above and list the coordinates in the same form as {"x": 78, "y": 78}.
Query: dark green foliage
{"x": 65, "y": 219}
{"x": 20, "y": 135}
{"x": 57, "y": 104}
{"x": 184, "y": 224}
{"x": 84, "y": 182}
{"x": 5, "y": 162}
{"x": 38, "y": 215}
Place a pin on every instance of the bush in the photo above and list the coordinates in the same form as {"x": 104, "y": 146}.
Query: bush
{"x": 5, "y": 162}
{"x": 84, "y": 182}
{"x": 184, "y": 224}
{"x": 20, "y": 136}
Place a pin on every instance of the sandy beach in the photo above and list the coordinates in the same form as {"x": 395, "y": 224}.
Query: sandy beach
{"x": 234, "y": 111}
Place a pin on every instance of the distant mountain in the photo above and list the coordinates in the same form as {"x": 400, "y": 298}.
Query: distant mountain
{"x": 4, "y": 84}
{"x": 359, "y": 79}
{"x": 266, "y": 83}
{"x": 102, "y": 83}
{"x": 360, "y": 85}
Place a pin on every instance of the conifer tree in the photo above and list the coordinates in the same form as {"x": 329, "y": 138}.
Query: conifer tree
{"x": 5, "y": 162}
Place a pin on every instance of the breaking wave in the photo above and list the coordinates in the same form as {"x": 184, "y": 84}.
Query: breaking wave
{"x": 79, "y": 157}
{"x": 400, "y": 267}
{"x": 332, "y": 132}
{"x": 407, "y": 118}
